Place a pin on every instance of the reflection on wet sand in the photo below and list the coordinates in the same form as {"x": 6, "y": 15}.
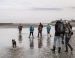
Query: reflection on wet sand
{"x": 29, "y": 48}
{"x": 62, "y": 55}
{"x": 12, "y": 53}
{"x": 31, "y": 42}
{"x": 48, "y": 41}
{"x": 20, "y": 38}
{"x": 40, "y": 42}
{"x": 15, "y": 52}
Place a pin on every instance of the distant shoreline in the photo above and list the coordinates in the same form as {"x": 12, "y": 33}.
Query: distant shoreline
{"x": 15, "y": 25}
{"x": 71, "y": 22}
{"x": 26, "y": 25}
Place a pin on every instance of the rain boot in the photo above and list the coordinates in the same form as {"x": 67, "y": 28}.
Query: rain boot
{"x": 59, "y": 49}
{"x": 53, "y": 49}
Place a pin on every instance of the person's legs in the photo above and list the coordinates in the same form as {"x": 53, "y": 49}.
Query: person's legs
{"x": 41, "y": 33}
{"x": 69, "y": 45}
{"x": 62, "y": 38}
{"x": 32, "y": 33}
{"x": 59, "y": 43}
{"x": 66, "y": 44}
{"x": 19, "y": 31}
{"x": 55, "y": 39}
{"x": 29, "y": 34}
{"x": 48, "y": 34}
{"x": 38, "y": 33}
{"x": 54, "y": 46}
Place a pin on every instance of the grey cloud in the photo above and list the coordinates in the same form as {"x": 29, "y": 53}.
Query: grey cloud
{"x": 57, "y": 9}
{"x": 72, "y": 7}
{"x": 14, "y": 2}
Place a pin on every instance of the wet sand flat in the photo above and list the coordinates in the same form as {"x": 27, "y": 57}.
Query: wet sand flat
{"x": 30, "y": 47}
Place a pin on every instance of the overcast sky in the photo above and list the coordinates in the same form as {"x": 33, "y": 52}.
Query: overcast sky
{"x": 36, "y": 10}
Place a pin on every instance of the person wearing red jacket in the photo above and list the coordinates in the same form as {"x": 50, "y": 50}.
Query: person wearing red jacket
{"x": 40, "y": 27}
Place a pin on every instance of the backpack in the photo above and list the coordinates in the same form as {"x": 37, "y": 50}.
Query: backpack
{"x": 70, "y": 30}
{"x": 60, "y": 27}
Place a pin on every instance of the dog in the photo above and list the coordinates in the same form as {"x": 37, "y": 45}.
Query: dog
{"x": 13, "y": 43}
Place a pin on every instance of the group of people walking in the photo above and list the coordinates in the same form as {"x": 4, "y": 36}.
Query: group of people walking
{"x": 63, "y": 33}
{"x": 40, "y": 28}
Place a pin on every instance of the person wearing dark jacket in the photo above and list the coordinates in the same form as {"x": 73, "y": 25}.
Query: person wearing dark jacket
{"x": 68, "y": 34}
{"x": 40, "y": 27}
{"x": 57, "y": 36}
{"x": 63, "y": 31}
{"x": 20, "y": 28}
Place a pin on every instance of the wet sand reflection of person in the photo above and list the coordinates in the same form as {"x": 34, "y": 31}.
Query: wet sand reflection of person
{"x": 20, "y": 38}
{"x": 13, "y": 53}
{"x": 31, "y": 42}
{"x": 40, "y": 42}
{"x": 48, "y": 41}
{"x": 62, "y": 55}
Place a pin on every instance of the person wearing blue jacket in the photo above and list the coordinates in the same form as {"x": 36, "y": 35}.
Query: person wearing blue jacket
{"x": 31, "y": 31}
{"x": 48, "y": 29}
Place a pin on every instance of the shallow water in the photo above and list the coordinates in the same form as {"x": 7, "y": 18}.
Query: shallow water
{"x": 26, "y": 47}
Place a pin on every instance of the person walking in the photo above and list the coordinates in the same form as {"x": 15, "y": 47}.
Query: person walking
{"x": 40, "y": 27}
{"x": 68, "y": 34}
{"x": 48, "y": 29}
{"x": 63, "y": 30}
{"x": 58, "y": 33}
{"x": 31, "y": 31}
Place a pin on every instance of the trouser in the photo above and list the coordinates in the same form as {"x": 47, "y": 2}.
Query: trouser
{"x": 62, "y": 36}
{"x": 67, "y": 44}
{"x": 48, "y": 32}
{"x": 40, "y": 33}
{"x": 20, "y": 30}
{"x": 14, "y": 45}
{"x": 31, "y": 33}
{"x": 59, "y": 41}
